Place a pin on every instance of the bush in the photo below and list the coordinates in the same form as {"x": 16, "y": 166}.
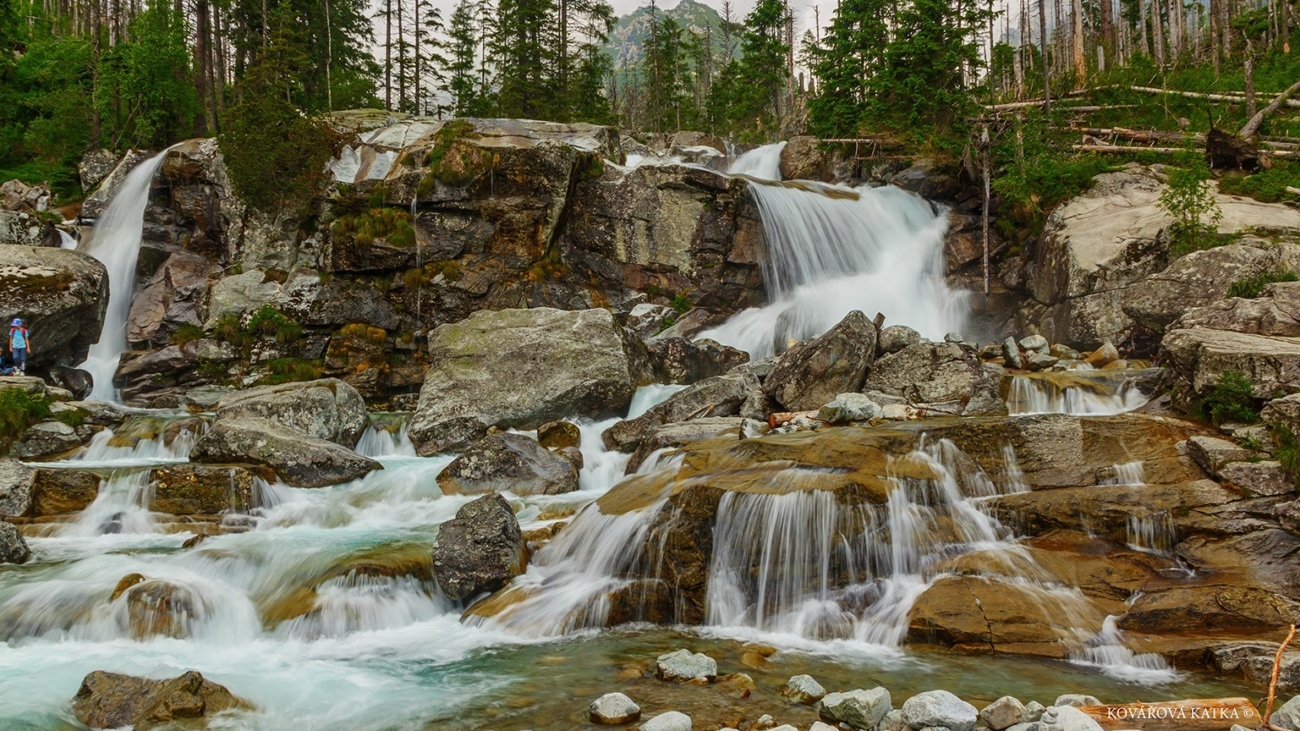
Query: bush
{"x": 186, "y": 333}
{"x": 276, "y": 157}
{"x": 1252, "y": 287}
{"x": 1231, "y": 400}
{"x": 291, "y": 370}
{"x": 270, "y": 322}
{"x": 1189, "y": 200}
{"x": 19, "y": 410}
{"x": 1286, "y": 450}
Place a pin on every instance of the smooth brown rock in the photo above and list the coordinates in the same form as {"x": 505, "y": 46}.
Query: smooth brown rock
{"x": 109, "y": 700}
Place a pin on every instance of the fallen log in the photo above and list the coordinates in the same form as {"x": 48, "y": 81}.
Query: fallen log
{"x": 1125, "y": 150}
{"x": 1252, "y": 126}
{"x": 1198, "y": 95}
{"x": 1137, "y": 135}
{"x": 1201, "y": 714}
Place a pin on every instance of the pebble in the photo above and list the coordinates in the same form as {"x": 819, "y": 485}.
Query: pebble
{"x": 684, "y": 666}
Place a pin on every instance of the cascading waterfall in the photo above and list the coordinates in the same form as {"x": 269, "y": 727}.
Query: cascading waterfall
{"x": 66, "y": 241}
{"x": 116, "y": 243}
{"x": 1077, "y": 392}
{"x": 1107, "y": 652}
{"x": 832, "y": 250}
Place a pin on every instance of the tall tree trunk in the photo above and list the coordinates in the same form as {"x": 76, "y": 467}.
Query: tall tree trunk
{"x": 266, "y": 28}
{"x": 388, "y": 54}
{"x": 1157, "y": 33}
{"x": 1249, "y": 69}
{"x": 1142, "y": 23}
{"x": 402, "y": 70}
{"x": 96, "y": 131}
{"x": 1080, "y": 61}
{"x": 201, "y": 34}
{"x": 1107, "y": 30}
{"x": 329, "y": 58}
{"x": 222, "y": 24}
{"x": 1042, "y": 49}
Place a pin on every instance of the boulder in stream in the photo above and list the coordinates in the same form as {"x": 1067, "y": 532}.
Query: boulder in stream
{"x": 803, "y": 689}
{"x": 670, "y": 721}
{"x": 298, "y": 459}
{"x": 862, "y": 709}
{"x": 61, "y": 296}
{"x": 684, "y": 666}
{"x": 1003, "y": 713}
{"x": 521, "y": 369}
{"x": 814, "y": 372}
{"x": 508, "y": 462}
{"x": 17, "y": 482}
{"x": 479, "y": 550}
{"x": 110, "y": 700}
{"x": 13, "y": 549}
{"x": 712, "y": 397}
{"x": 1288, "y": 716}
{"x": 679, "y": 360}
{"x": 613, "y": 709}
{"x": 323, "y": 409}
{"x": 939, "y": 708}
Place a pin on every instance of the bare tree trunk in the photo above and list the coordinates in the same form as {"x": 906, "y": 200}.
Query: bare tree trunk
{"x": 96, "y": 130}
{"x": 329, "y": 58}
{"x": 1107, "y": 30}
{"x": 1142, "y": 23}
{"x": 266, "y": 28}
{"x": 1042, "y": 48}
{"x": 1157, "y": 33}
{"x": 1080, "y": 61}
{"x": 1213, "y": 12}
{"x": 1249, "y": 70}
{"x": 1252, "y": 126}
{"x": 201, "y": 32}
{"x": 388, "y": 54}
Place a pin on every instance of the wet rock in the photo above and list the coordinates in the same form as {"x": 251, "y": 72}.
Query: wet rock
{"x": 522, "y": 368}
{"x": 1003, "y": 713}
{"x": 1258, "y": 478}
{"x": 802, "y": 159}
{"x": 1011, "y": 352}
{"x": 1211, "y": 606}
{"x": 45, "y": 440}
{"x": 61, "y": 296}
{"x": 109, "y": 700}
{"x": 95, "y": 166}
{"x": 670, "y": 721}
{"x": 803, "y": 689}
{"x": 199, "y": 489}
{"x": 1035, "y": 343}
{"x": 1288, "y": 716}
{"x": 684, "y": 433}
{"x": 508, "y": 462}
{"x": 849, "y": 407}
{"x": 1070, "y": 718}
{"x": 173, "y": 296}
{"x": 717, "y": 396}
{"x": 13, "y": 549}
{"x": 1212, "y": 453}
{"x": 861, "y": 709}
{"x": 1254, "y": 661}
{"x": 682, "y": 361}
{"x": 1064, "y": 352}
{"x": 559, "y": 434}
{"x": 939, "y": 708}
{"x": 158, "y": 608}
{"x": 613, "y": 709}
{"x": 1041, "y": 362}
{"x": 78, "y": 382}
{"x": 896, "y": 337}
{"x": 1077, "y": 700}
{"x": 573, "y": 455}
{"x": 1198, "y": 357}
{"x": 62, "y": 491}
{"x": 695, "y": 321}
{"x": 814, "y": 372}
{"x": 480, "y": 550}
{"x": 1103, "y": 356}
{"x": 17, "y": 483}
{"x": 684, "y": 666}
{"x": 648, "y": 320}
{"x": 298, "y": 459}
{"x": 327, "y": 409}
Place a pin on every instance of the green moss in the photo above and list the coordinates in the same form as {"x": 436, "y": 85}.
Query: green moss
{"x": 73, "y": 417}
{"x": 1252, "y": 287}
{"x": 1286, "y": 451}
{"x": 290, "y": 370}
{"x": 19, "y": 410}
{"x": 681, "y": 303}
{"x": 1231, "y": 399}
{"x": 270, "y": 322}
{"x": 186, "y": 333}
{"x": 390, "y": 225}
{"x": 452, "y": 160}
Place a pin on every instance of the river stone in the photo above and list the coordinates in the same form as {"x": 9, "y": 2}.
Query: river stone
{"x": 13, "y": 549}
{"x": 1035, "y": 343}
{"x": 647, "y": 320}
{"x": 62, "y": 491}
{"x": 684, "y": 666}
{"x": 849, "y": 407}
{"x": 712, "y": 397}
{"x": 1033, "y": 711}
{"x": 1288, "y": 716}
{"x": 936, "y": 373}
{"x": 78, "y": 382}
{"x": 893, "y": 721}
{"x": 613, "y": 709}
{"x": 480, "y": 550}
{"x": 1011, "y": 351}
{"x": 1041, "y": 361}
{"x": 939, "y": 708}
{"x": 559, "y": 434}
{"x": 819, "y": 726}
{"x": 17, "y": 483}
{"x": 508, "y": 462}
{"x": 1070, "y": 718}
{"x": 201, "y": 489}
{"x": 1003, "y": 713}
{"x": 814, "y": 372}
{"x": 858, "y": 708}
{"x": 110, "y": 700}
{"x": 670, "y": 721}
{"x": 803, "y": 689}
{"x": 1258, "y": 478}
{"x": 46, "y": 439}
{"x": 1075, "y": 700}
{"x": 521, "y": 369}
{"x": 1212, "y": 453}
{"x": 324, "y": 409}
{"x": 298, "y": 459}
{"x": 682, "y": 361}
{"x": 896, "y": 337}
{"x": 61, "y": 296}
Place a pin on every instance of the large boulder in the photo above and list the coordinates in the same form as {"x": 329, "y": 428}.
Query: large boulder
{"x": 60, "y": 294}
{"x": 678, "y": 360}
{"x": 25, "y": 229}
{"x": 110, "y": 182}
{"x": 862, "y": 709}
{"x": 172, "y": 297}
{"x": 109, "y": 700}
{"x": 947, "y": 375}
{"x": 523, "y": 368}
{"x": 200, "y": 489}
{"x": 324, "y": 409}
{"x": 511, "y": 463}
{"x": 1198, "y": 356}
{"x": 297, "y": 458}
{"x": 1195, "y": 280}
{"x": 814, "y": 372}
{"x": 480, "y": 550}
{"x": 17, "y": 482}
{"x": 1275, "y": 312}
{"x": 939, "y": 708}
{"x": 717, "y": 396}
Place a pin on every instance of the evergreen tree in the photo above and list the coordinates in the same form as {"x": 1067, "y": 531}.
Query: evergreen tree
{"x": 845, "y": 63}
{"x": 146, "y": 95}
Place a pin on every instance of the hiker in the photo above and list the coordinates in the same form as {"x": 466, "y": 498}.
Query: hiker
{"x": 19, "y": 345}
{"x": 6, "y": 365}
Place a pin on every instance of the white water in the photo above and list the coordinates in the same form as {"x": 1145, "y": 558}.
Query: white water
{"x": 1107, "y": 652}
{"x": 379, "y": 441}
{"x": 66, "y": 241}
{"x": 1104, "y": 395}
{"x": 116, "y": 242}
{"x": 1154, "y": 533}
{"x": 832, "y": 250}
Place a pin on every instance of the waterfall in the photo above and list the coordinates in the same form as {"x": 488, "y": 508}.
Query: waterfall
{"x": 66, "y": 241}
{"x": 386, "y": 441}
{"x": 832, "y": 250}
{"x": 116, "y": 243}
{"x": 1107, "y": 652}
{"x": 1081, "y": 393}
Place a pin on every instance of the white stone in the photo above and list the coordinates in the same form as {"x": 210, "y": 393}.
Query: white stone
{"x": 683, "y": 666}
{"x": 849, "y": 407}
{"x": 819, "y": 726}
{"x": 670, "y": 721}
{"x": 1003, "y": 713}
{"x": 612, "y": 709}
{"x": 803, "y": 689}
{"x": 1288, "y": 716}
{"x": 939, "y": 708}
{"x": 1033, "y": 711}
{"x": 893, "y": 721}
{"x": 1076, "y": 699}
{"x": 858, "y": 708}
{"x": 1069, "y": 718}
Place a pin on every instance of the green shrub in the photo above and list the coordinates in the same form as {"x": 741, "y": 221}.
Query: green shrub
{"x": 186, "y": 333}
{"x": 1251, "y": 287}
{"x": 1286, "y": 450}
{"x": 290, "y": 370}
{"x": 270, "y": 322}
{"x": 1269, "y": 186}
{"x": 392, "y": 225}
{"x": 73, "y": 417}
{"x": 275, "y": 156}
{"x": 1231, "y": 400}
{"x": 681, "y": 303}
{"x": 19, "y": 410}
{"x": 1189, "y": 200}
{"x": 228, "y": 330}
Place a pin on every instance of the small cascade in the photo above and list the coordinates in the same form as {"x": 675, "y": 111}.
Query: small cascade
{"x": 386, "y": 440}
{"x": 1078, "y": 392}
{"x": 107, "y": 449}
{"x": 1154, "y": 533}
{"x": 122, "y": 506}
{"x": 1128, "y": 473}
{"x": 832, "y": 250}
{"x": 66, "y": 241}
{"x": 364, "y": 603}
{"x": 1107, "y": 652}
{"x": 116, "y": 243}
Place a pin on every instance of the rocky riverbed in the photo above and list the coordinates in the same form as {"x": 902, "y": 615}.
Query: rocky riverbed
{"x": 590, "y": 413}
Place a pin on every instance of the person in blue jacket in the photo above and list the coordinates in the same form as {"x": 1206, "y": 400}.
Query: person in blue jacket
{"x": 19, "y": 345}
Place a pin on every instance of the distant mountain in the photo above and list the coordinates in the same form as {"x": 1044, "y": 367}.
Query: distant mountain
{"x": 633, "y": 30}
